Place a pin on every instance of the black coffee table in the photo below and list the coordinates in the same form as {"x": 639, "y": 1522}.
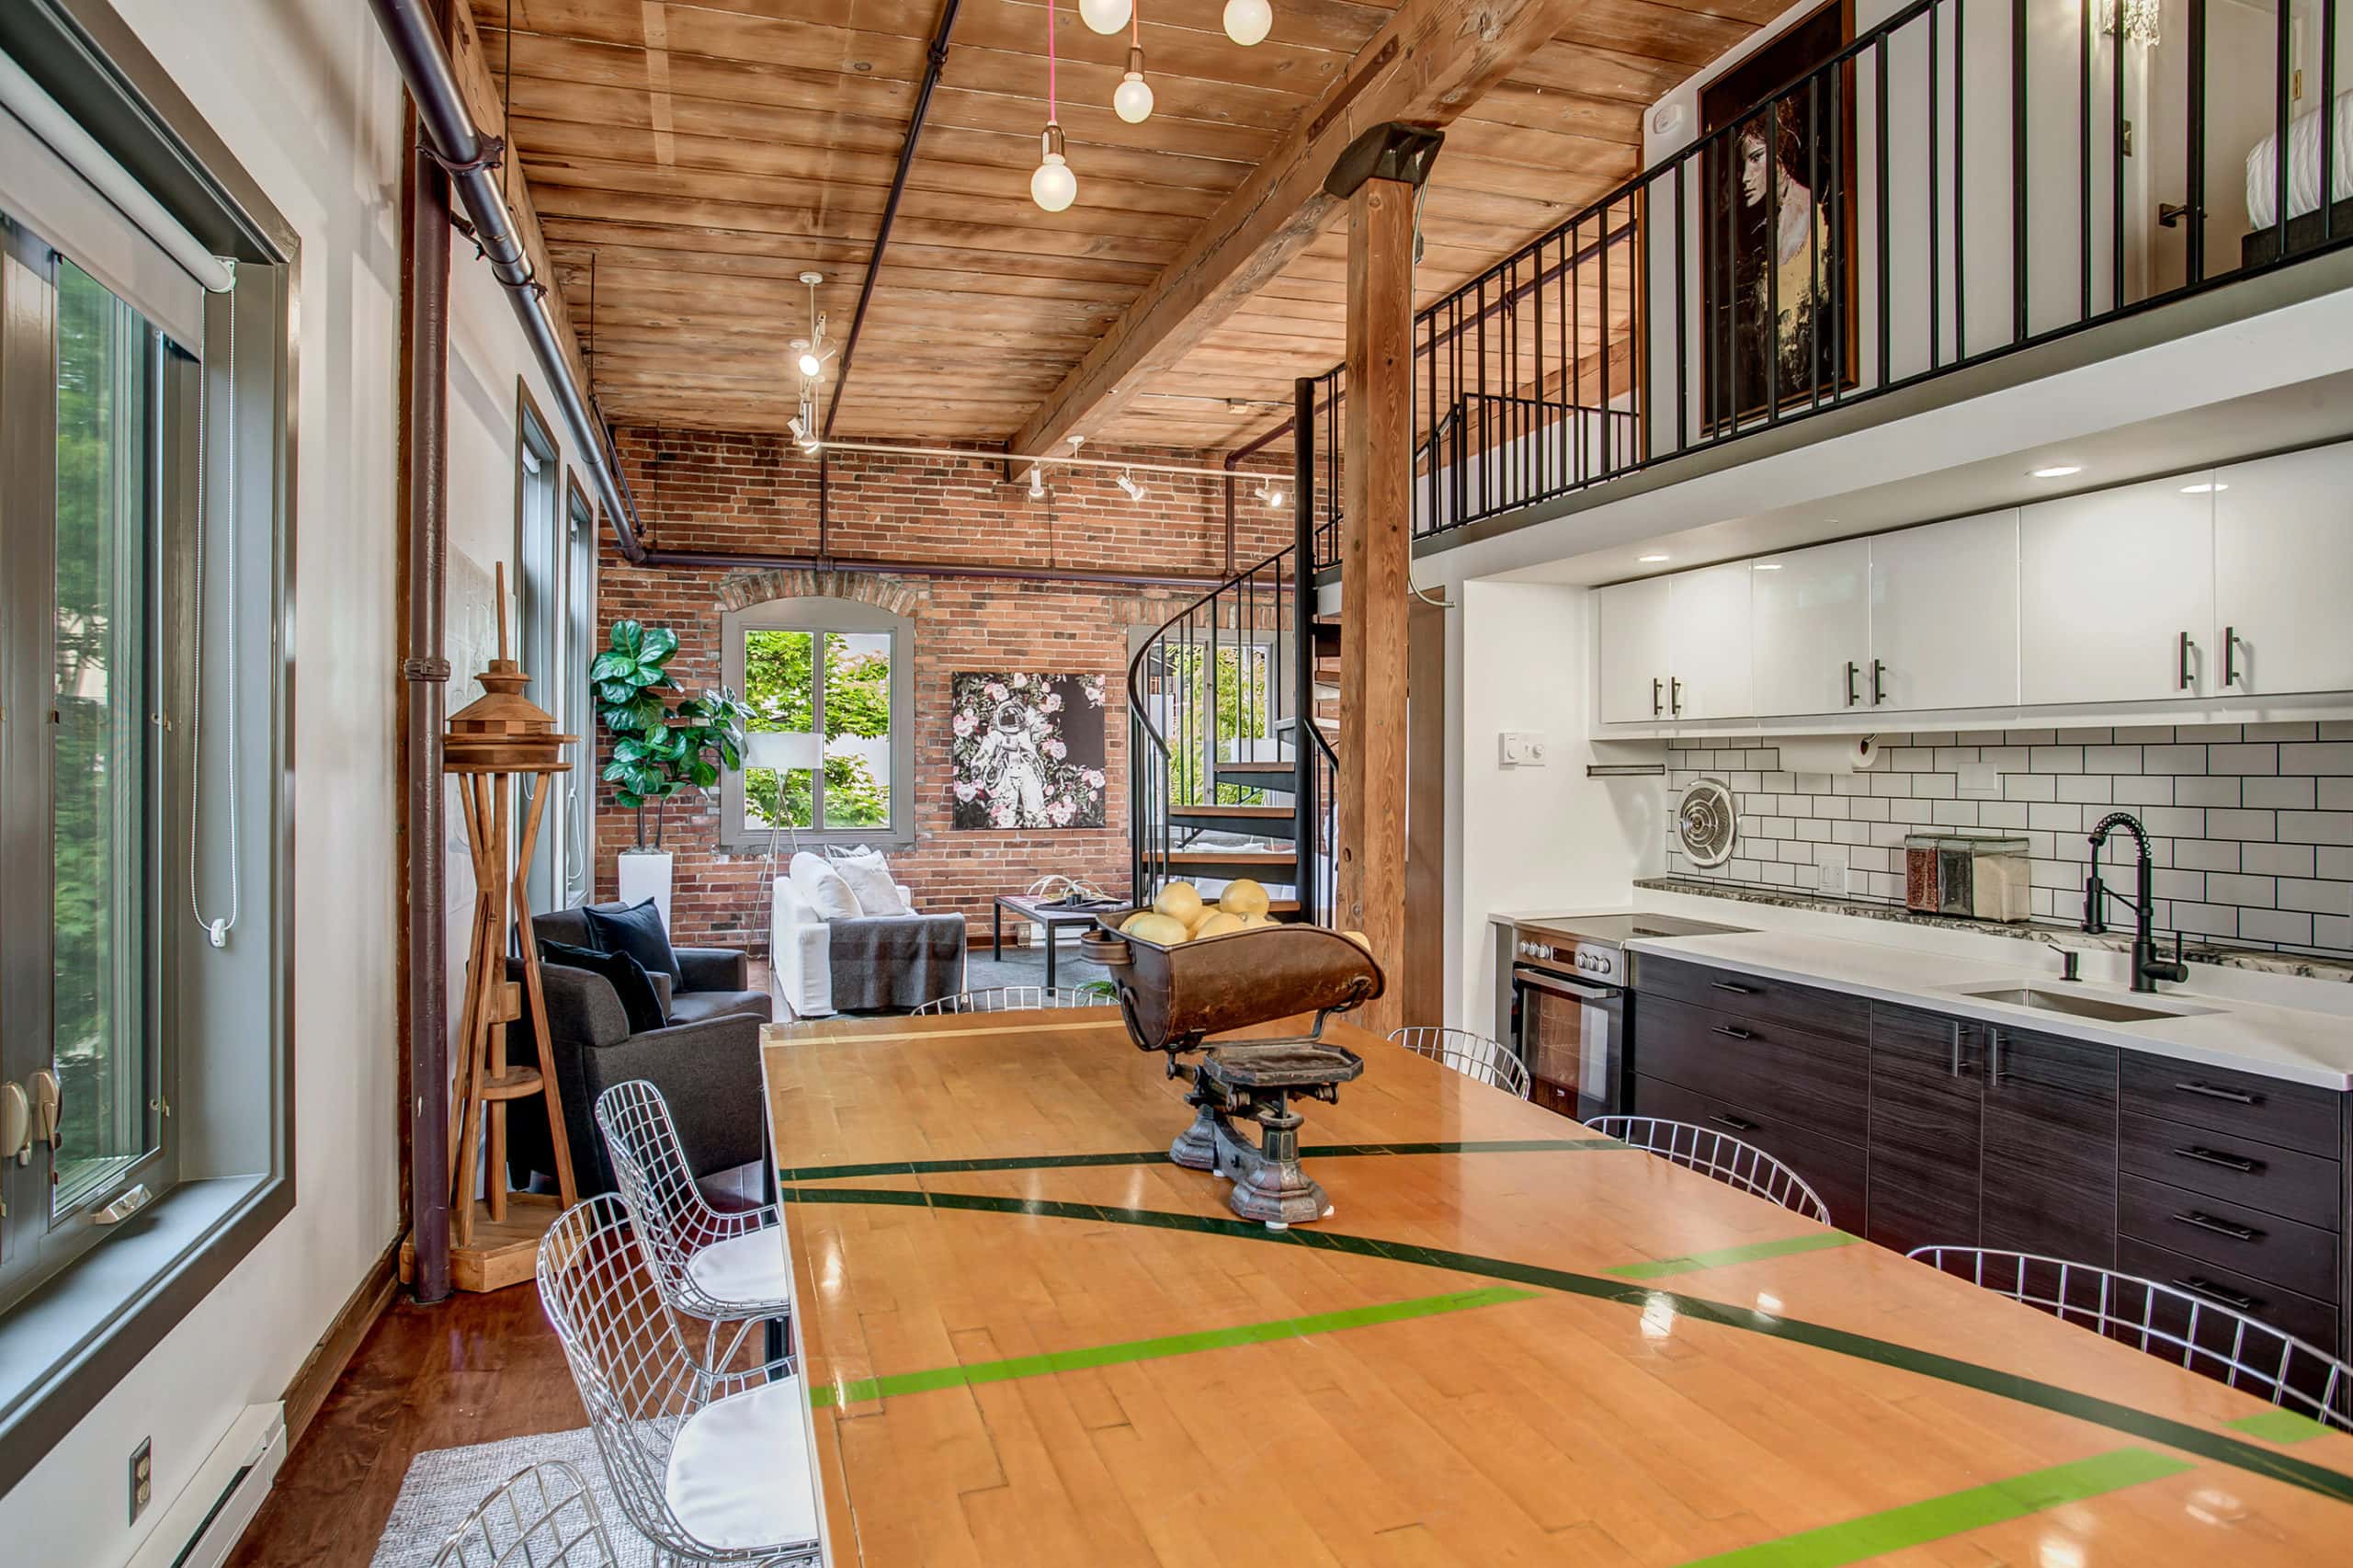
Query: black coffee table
{"x": 1046, "y": 913}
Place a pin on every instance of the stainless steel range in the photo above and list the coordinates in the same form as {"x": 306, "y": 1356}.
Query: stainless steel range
{"x": 1570, "y": 1018}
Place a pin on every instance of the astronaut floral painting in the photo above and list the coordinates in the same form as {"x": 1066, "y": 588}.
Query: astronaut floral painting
{"x": 1029, "y": 750}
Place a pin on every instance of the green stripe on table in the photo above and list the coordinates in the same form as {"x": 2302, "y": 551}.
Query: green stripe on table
{"x": 1721, "y": 1257}
{"x": 1917, "y": 1524}
{"x": 1160, "y": 1156}
{"x": 865, "y": 1389}
{"x": 2278, "y": 1426}
{"x": 2204, "y": 1442}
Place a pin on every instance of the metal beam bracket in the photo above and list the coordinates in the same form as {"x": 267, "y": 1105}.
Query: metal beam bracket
{"x": 493, "y": 149}
{"x": 424, "y": 669}
{"x": 1393, "y": 151}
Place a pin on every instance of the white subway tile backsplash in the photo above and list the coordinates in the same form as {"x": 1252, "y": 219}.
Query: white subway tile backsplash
{"x": 2251, "y": 826}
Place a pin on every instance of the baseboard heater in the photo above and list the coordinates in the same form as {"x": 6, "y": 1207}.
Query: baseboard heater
{"x": 202, "y": 1525}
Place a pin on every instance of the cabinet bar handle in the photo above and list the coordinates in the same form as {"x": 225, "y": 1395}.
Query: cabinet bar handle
{"x": 2216, "y": 1157}
{"x": 1853, "y": 669}
{"x": 1674, "y": 695}
{"x": 1993, "y": 1059}
{"x": 1735, "y": 1123}
{"x": 2188, "y": 648}
{"x": 1657, "y": 707}
{"x": 1735, "y": 990}
{"x": 2220, "y": 1227}
{"x": 2198, "y": 1285}
{"x": 1878, "y": 683}
{"x": 1733, "y": 1031}
{"x": 2236, "y": 1096}
{"x": 2230, "y": 655}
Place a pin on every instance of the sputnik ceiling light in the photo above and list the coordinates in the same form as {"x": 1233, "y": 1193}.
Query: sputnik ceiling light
{"x": 1248, "y": 22}
{"x": 1131, "y": 99}
{"x": 1052, "y": 187}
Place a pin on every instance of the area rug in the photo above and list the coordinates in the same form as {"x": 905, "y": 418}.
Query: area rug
{"x": 443, "y": 1486}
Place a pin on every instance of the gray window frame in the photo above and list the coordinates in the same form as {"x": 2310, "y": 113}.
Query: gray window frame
{"x": 819, "y": 614}
{"x": 79, "y": 1332}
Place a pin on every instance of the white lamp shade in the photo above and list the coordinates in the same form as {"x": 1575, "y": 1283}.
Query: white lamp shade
{"x": 1248, "y": 22}
{"x": 782, "y": 751}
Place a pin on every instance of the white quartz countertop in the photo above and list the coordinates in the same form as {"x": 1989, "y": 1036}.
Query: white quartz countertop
{"x": 2252, "y": 1037}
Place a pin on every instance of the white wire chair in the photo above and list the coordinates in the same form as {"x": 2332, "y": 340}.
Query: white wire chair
{"x": 1015, "y": 998}
{"x": 543, "y": 1516}
{"x": 711, "y": 1467}
{"x": 1491, "y": 1061}
{"x": 1717, "y": 1155}
{"x": 2166, "y": 1321}
{"x": 722, "y": 1267}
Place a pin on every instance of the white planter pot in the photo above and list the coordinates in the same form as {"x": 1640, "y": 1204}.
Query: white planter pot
{"x": 646, "y": 873}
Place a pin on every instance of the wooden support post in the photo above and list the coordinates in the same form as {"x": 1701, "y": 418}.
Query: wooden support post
{"x": 1380, "y": 172}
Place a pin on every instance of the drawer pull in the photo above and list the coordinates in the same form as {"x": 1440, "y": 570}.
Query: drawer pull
{"x": 2198, "y": 1285}
{"x": 2211, "y": 1092}
{"x": 1734, "y": 1031}
{"x": 2220, "y": 1227}
{"x": 1735, "y": 990}
{"x": 2216, "y": 1157}
{"x": 1735, "y": 1123}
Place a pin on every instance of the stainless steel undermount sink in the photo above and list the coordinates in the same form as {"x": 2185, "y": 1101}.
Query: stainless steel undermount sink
{"x": 2081, "y": 1006}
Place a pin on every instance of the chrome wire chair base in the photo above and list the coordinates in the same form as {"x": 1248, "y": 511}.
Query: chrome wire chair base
{"x": 543, "y": 1517}
{"x": 2166, "y": 1321}
{"x": 1014, "y": 998}
{"x": 1491, "y": 1061}
{"x": 1717, "y": 1155}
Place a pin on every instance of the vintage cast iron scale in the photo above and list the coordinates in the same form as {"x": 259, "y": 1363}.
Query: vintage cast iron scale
{"x": 1173, "y": 998}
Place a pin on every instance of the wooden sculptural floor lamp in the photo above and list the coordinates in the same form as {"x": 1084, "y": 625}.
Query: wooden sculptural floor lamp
{"x": 491, "y": 742}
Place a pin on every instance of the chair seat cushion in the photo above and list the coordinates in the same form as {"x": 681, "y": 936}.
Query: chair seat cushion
{"x": 694, "y": 1007}
{"x": 740, "y": 1474}
{"x": 753, "y": 1267}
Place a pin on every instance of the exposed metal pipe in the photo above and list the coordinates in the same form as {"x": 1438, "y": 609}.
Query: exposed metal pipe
{"x": 934, "y": 62}
{"x": 424, "y": 675}
{"x": 468, "y": 156}
{"x": 756, "y": 560}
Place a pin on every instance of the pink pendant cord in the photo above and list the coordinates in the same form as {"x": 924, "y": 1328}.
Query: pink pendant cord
{"x": 1051, "y": 116}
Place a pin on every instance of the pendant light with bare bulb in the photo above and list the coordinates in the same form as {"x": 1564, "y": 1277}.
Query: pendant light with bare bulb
{"x": 1131, "y": 99}
{"x": 1052, "y": 187}
{"x": 1248, "y": 22}
{"x": 1105, "y": 16}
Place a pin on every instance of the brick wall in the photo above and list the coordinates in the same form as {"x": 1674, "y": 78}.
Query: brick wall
{"x": 705, "y": 490}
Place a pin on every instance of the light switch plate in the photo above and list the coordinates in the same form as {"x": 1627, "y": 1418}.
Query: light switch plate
{"x": 1522, "y": 748}
{"x": 1830, "y": 868}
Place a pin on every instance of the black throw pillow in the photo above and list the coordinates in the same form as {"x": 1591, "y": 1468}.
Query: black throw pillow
{"x": 630, "y": 981}
{"x": 637, "y": 931}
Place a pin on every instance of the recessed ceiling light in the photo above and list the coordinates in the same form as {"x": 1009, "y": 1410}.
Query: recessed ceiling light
{"x": 1769, "y": 565}
{"x": 1650, "y": 560}
{"x": 2206, "y": 489}
{"x": 2057, "y": 471}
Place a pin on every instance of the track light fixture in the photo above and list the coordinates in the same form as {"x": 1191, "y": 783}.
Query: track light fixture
{"x": 1052, "y": 187}
{"x": 1272, "y": 494}
{"x": 810, "y": 353}
{"x": 1037, "y": 482}
{"x": 1127, "y": 483}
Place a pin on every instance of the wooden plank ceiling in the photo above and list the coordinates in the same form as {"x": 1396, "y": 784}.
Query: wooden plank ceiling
{"x": 704, "y": 154}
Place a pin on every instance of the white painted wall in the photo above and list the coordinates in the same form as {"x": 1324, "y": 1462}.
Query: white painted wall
{"x": 304, "y": 93}
{"x": 1532, "y": 838}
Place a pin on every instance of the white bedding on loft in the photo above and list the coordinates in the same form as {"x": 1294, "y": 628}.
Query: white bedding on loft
{"x": 2303, "y": 165}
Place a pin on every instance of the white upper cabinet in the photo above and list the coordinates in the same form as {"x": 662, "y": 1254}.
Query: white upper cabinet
{"x": 2283, "y": 574}
{"x": 1708, "y": 669}
{"x": 2110, "y": 584}
{"x": 1945, "y": 615}
{"x": 1632, "y": 654}
{"x": 1810, "y": 629}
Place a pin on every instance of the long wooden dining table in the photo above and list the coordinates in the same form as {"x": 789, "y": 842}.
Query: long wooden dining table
{"x": 1028, "y": 1339}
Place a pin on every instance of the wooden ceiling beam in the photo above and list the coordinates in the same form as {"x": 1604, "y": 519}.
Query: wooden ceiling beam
{"x": 1430, "y": 62}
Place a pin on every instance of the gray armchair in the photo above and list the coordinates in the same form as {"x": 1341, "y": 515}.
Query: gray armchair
{"x": 706, "y": 1060}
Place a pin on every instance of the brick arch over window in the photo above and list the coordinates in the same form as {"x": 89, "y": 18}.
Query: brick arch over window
{"x": 899, "y": 596}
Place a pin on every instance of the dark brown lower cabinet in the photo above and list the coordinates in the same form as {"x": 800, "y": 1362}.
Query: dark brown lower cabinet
{"x": 1925, "y": 1132}
{"x": 2047, "y": 1167}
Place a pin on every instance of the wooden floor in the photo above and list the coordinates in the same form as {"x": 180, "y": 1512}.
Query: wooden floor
{"x": 474, "y": 1370}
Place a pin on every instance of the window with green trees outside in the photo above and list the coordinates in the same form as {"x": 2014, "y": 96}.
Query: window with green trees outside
{"x": 836, "y": 685}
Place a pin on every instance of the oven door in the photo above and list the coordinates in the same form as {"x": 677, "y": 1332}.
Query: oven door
{"x": 1572, "y": 1035}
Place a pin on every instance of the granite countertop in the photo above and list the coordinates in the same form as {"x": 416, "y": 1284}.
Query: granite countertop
{"x": 2307, "y": 966}
{"x": 2277, "y": 1042}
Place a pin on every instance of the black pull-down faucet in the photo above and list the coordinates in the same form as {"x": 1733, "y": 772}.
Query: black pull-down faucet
{"x": 2147, "y": 967}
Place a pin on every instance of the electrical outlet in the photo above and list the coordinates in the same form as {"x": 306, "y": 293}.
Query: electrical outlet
{"x": 1830, "y": 868}
{"x": 142, "y": 1477}
{"x": 1522, "y": 748}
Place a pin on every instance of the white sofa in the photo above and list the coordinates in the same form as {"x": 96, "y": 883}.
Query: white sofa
{"x": 803, "y": 955}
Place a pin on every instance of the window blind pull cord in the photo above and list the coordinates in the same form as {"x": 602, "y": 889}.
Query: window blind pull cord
{"x": 218, "y": 928}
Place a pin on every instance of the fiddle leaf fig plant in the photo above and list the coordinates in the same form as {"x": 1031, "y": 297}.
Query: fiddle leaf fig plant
{"x": 659, "y": 749}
